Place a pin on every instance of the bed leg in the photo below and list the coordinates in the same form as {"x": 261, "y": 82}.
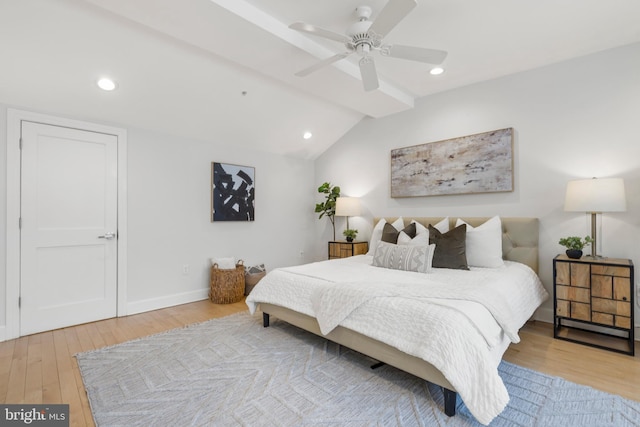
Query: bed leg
{"x": 449, "y": 402}
{"x": 265, "y": 320}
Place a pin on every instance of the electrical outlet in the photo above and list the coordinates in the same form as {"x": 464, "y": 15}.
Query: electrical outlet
{"x": 185, "y": 269}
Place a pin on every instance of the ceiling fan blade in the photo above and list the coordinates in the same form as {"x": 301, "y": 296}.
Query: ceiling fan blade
{"x": 430, "y": 56}
{"x": 323, "y": 63}
{"x": 368, "y": 73}
{"x": 321, "y": 32}
{"x": 390, "y": 15}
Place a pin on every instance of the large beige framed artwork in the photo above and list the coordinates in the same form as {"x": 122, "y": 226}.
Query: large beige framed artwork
{"x": 480, "y": 163}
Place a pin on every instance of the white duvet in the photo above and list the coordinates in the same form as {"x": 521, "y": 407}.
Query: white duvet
{"x": 454, "y": 319}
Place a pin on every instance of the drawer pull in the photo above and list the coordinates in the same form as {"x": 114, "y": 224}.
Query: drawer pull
{"x": 624, "y": 298}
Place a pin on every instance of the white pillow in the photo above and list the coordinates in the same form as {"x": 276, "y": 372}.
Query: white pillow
{"x": 442, "y": 226}
{"x": 376, "y": 234}
{"x": 404, "y": 257}
{"x": 228, "y": 263}
{"x": 484, "y": 243}
{"x": 420, "y": 229}
{"x": 421, "y": 239}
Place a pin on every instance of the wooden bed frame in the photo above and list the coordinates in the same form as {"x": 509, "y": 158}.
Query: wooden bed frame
{"x": 519, "y": 243}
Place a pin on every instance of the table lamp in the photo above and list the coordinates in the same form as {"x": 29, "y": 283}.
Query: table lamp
{"x": 595, "y": 196}
{"x": 347, "y": 206}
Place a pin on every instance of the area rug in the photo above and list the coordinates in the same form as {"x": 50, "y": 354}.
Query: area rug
{"x": 233, "y": 372}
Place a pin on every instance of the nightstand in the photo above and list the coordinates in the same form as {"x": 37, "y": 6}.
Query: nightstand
{"x": 347, "y": 249}
{"x": 593, "y": 302}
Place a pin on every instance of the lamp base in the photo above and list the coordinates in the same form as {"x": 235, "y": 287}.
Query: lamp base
{"x": 593, "y": 235}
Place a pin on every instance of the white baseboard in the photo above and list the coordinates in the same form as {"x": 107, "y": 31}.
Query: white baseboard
{"x": 150, "y": 304}
{"x": 166, "y": 301}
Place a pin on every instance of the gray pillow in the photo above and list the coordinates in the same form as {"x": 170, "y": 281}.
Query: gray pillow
{"x": 450, "y": 247}
{"x": 390, "y": 234}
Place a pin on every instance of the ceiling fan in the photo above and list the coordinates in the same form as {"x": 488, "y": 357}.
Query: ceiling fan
{"x": 365, "y": 36}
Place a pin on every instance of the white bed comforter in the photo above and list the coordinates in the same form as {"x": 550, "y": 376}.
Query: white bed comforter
{"x": 453, "y": 319}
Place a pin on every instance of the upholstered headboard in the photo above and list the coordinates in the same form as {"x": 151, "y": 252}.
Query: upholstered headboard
{"x": 519, "y": 235}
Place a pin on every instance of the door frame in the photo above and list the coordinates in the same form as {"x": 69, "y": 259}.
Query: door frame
{"x": 14, "y": 123}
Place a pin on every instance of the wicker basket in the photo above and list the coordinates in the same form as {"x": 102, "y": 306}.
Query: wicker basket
{"x": 227, "y": 286}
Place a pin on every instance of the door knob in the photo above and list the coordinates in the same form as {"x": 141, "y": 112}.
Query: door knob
{"x": 107, "y": 236}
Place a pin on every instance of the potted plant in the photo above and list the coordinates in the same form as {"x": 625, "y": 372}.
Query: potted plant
{"x": 350, "y": 234}
{"x": 328, "y": 207}
{"x": 575, "y": 245}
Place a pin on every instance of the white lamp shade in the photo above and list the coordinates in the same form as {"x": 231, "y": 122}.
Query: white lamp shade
{"x": 347, "y": 206}
{"x": 595, "y": 195}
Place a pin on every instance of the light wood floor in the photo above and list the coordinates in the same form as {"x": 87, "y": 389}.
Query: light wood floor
{"x": 40, "y": 368}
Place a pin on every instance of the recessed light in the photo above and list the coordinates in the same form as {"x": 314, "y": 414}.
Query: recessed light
{"x": 307, "y": 135}
{"x": 106, "y": 84}
{"x": 437, "y": 70}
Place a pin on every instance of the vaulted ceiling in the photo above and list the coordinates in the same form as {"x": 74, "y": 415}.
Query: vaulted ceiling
{"x": 224, "y": 70}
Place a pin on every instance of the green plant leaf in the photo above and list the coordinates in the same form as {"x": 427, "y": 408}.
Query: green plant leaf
{"x": 328, "y": 207}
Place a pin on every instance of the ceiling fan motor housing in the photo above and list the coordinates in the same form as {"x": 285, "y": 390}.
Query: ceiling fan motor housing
{"x": 361, "y": 40}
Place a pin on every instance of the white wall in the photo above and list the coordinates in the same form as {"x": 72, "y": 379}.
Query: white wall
{"x": 169, "y": 224}
{"x": 574, "y": 119}
{"x": 169, "y": 221}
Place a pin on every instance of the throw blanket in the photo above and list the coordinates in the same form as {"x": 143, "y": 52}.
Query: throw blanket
{"x": 501, "y": 291}
{"x": 413, "y": 313}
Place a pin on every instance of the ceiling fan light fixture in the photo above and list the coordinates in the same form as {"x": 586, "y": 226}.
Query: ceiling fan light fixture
{"x": 435, "y": 71}
{"x": 363, "y": 49}
{"x": 364, "y": 37}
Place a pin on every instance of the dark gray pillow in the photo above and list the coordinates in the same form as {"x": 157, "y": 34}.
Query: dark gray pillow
{"x": 450, "y": 247}
{"x": 390, "y": 234}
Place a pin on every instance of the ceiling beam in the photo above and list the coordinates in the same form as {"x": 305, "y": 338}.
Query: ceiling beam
{"x": 265, "y": 21}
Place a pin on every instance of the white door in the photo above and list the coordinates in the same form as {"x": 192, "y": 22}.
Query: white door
{"x": 68, "y": 242}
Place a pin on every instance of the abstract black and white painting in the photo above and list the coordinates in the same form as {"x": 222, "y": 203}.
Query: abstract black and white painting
{"x": 480, "y": 163}
{"x": 232, "y": 192}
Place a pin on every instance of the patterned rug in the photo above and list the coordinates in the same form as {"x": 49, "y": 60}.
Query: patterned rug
{"x": 234, "y": 372}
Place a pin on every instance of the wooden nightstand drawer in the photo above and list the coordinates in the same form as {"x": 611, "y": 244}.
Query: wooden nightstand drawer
{"x": 602, "y": 318}
{"x": 621, "y": 289}
{"x": 580, "y": 275}
{"x": 572, "y": 293}
{"x": 623, "y": 322}
{"x": 601, "y": 286}
{"x": 611, "y": 306}
{"x": 580, "y": 311}
{"x": 608, "y": 270}
{"x": 563, "y": 308}
{"x": 572, "y": 274}
{"x": 611, "y": 320}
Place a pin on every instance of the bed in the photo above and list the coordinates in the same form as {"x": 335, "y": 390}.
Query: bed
{"x": 456, "y": 340}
